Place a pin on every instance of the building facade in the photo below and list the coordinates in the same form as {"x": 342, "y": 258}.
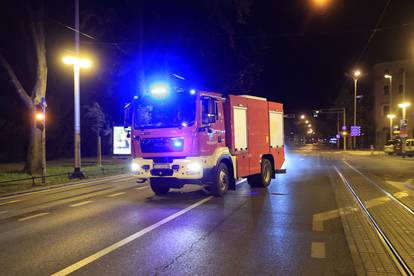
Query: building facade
{"x": 388, "y": 93}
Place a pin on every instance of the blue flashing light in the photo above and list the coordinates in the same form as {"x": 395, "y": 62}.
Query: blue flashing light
{"x": 177, "y": 144}
{"x": 192, "y": 91}
{"x": 135, "y": 97}
{"x": 159, "y": 90}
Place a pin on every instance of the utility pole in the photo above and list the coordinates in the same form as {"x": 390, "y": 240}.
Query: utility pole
{"x": 77, "y": 173}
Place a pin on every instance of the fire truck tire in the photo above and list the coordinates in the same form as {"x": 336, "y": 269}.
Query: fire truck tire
{"x": 263, "y": 179}
{"x": 158, "y": 188}
{"x": 221, "y": 184}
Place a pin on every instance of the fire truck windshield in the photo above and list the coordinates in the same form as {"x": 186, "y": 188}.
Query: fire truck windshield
{"x": 176, "y": 111}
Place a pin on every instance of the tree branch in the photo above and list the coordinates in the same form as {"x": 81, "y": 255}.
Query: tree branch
{"x": 13, "y": 78}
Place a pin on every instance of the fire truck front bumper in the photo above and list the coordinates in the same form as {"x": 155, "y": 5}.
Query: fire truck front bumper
{"x": 190, "y": 168}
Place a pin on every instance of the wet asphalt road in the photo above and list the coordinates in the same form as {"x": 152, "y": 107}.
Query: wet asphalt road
{"x": 118, "y": 227}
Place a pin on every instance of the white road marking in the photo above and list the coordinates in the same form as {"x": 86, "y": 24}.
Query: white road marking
{"x": 11, "y": 201}
{"x": 127, "y": 240}
{"x": 141, "y": 188}
{"x": 33, "y": 216}
{"x": 65, "y": 186}
{"x": 318, "y": 250}
{"x": 124, "y": 179}
{"x": 3, "y": 212}
{"x": 117, "y": 194}
{"x": 240, "y": 181}
{"x": 81, "y": 203}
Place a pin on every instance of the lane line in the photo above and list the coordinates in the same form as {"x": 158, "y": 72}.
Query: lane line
{"x": 33, "y": 216}
{"x": 109, "y": 249}
{"x": 318, "y": 250}
{"x": 122, "y": 180}
{"x": 3, "y": 212}
{"x": 141, "y": 188}
{"x": 81, "y": 203}
{"x": 241, "y": 181}
{"x": 116, "y": 194}
{"x": 66, "y": 186}
{"x": 11, "y": 201}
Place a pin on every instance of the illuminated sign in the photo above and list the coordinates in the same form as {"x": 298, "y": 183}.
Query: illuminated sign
{"x": 355, "y": 130}
{"x": 121, "y": 143}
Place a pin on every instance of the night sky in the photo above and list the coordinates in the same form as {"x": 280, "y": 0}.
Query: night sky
{"x": 289, "y": 52}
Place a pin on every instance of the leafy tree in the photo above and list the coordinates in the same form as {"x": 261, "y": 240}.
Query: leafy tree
{"x": 35, "y": 159}
{"x": 98, "y": 124}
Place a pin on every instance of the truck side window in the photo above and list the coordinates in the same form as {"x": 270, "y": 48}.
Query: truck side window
{"x": 209, "y": 110}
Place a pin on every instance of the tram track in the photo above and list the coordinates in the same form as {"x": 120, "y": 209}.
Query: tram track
{"x": 388, "y": 245}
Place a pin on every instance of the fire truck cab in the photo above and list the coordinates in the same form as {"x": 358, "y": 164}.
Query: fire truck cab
{"x": 197, "y": 137}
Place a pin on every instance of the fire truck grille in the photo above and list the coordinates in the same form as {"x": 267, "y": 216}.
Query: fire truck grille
{"x": 155, "y": 145}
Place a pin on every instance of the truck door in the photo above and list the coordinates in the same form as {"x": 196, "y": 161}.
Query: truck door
{"x": 211, "y": 132}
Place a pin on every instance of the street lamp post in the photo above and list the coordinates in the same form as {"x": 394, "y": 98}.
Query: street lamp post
{"x": 391, "y": 117}
{"x": 77, "y": 64}
{"x": 357, "y": 74}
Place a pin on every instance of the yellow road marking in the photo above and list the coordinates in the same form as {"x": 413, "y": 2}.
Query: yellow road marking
{"x": 11, "y": 201}
{"x": 81, "y": 203}
{"x": 33, "y": 216}
{"x": 127, "y": 240}
{"x": 318, "y": 250}
{"x": 117, "y": 194}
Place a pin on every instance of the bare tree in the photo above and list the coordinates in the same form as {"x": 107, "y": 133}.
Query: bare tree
{"x": 36, "y": 158}
{"x": 98, "y": 123}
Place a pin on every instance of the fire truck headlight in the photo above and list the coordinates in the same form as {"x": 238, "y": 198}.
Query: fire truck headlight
{"x": 159, "y": 90}
{"x": 194, "y": 167}
{"x": 135, "y": 167}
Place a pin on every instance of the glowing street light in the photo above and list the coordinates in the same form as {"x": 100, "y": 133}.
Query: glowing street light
{"x": 356, "y": 75}
{"x": 307, "y": 122}
{"x": 391, "y": 117}
{"x": 77, "y": 64}
{"x": 80, "y": 62}
{"x": 404, "y": 107}
{"x": 309, "y": 125}
{"x": 302, "y": 117}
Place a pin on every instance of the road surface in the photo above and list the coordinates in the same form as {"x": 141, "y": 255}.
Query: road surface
{"x": 115, "y": 226}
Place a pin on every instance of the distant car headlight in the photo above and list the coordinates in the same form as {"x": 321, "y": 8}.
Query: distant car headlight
{"x": 194, "y": 167}
{"x": 135, "y": 167}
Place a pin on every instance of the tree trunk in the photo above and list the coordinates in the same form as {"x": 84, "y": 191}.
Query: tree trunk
{"x": 99, "y": 151}
{"x": 34, "y": 151}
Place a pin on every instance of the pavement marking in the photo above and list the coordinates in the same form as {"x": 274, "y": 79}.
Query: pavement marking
{"x": 65, "y": 186}
{"x": 141, "y": 188}
{"x": 3, "y": 212}
{"x": 11, "y": 201}
{"x": 318, "y": 250}
{"x": 33, "y": 216}
{"x": 240, "y": 181}
{"x": 81, "y": 203}
{"x": 127, "y": 240}
{"x": 124, "y": 179}
{"x": 116, "y": 194}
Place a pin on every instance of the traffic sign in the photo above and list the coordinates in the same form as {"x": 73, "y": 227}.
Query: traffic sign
{"x": 355, "y": 130}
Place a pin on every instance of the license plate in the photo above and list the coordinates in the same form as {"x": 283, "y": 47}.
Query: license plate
{"x": 161, "y": 166}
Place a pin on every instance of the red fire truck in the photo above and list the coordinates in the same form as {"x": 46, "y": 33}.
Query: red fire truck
{"x": 195, "y": 137}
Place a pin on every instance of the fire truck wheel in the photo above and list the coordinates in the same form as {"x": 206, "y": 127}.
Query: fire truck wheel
{"x": 158, "y": 188}
{"x": 263, "y": 179}
{"x": 221, "y": 185}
